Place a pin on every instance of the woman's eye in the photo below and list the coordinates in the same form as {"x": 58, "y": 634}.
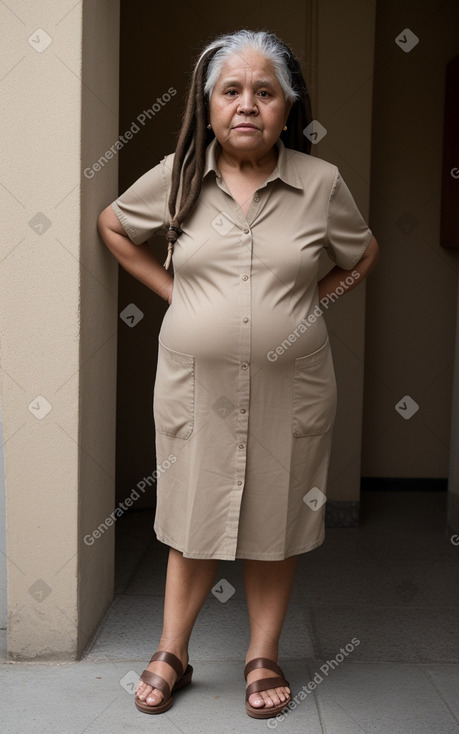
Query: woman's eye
{"x": 262, "y": 93}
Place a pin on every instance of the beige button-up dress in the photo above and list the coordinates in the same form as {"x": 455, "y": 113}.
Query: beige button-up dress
{"x": 245, "y": 392}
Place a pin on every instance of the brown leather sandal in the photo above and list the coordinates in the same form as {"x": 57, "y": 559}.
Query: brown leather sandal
{"x": 156, "y": 681}
{"x": 262, "y": 685}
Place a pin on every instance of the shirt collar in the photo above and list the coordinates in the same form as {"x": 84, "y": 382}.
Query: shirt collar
{"x": 285, "y": 169}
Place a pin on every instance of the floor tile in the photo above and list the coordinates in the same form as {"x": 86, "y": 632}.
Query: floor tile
{"x": 392, "y": 584}
{"x": 97, "y": 698}
{"x": 133, "y": 627}
{"x": 381, "y": 699}
{"x": 446, "y": 679}
{"x": 409, "y": 635}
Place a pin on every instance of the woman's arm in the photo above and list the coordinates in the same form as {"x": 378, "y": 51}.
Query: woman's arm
{"x": 135, "y": 259}
{"x": 337, "y": 276}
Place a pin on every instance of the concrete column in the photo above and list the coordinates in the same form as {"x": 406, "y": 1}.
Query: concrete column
{"x": 344, "y": 108}
{"x": 58, "y": 299}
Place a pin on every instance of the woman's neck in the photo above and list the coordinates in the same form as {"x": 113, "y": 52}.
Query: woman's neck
{"x": 248, "y": 162}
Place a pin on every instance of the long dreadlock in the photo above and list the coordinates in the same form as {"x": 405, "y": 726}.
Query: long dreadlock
{"x": 194, "y": 136}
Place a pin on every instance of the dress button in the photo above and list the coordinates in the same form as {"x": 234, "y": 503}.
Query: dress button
{"x": 239, "y": 481}
{"x": 245, "y": 277}
{"x": 245, "y": 319}
{"x": 241, "y": 445}
{"x": 243, "y": 410}
{"x": 244, "y": 366}
{"x": 256, "y": 197}
{"x": 246, "y": 231}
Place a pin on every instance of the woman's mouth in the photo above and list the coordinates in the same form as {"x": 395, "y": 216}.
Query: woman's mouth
{"x": 246, "y": 126}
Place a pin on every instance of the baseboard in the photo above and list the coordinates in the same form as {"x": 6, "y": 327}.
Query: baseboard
{"x": 342, "y": 514}
{"x": 453, "y": 517}
{"x": 403, "y": 484}
{"x": 346, "y": 514}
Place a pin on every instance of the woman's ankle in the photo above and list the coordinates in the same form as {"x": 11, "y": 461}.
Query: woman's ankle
{"x": 180, "y": 650}
{"x": 262, "y": 651}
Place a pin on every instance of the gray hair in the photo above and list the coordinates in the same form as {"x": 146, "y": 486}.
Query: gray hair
{"x": 264, "y": 43}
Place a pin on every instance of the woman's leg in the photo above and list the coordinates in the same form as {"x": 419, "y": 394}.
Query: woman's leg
{"x": 188, "y": 583}
{"x": 268, "y": 586}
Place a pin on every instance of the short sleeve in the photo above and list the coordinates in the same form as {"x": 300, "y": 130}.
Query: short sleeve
{"x": 348, "y": 235}
{"x": 143, "y": 208}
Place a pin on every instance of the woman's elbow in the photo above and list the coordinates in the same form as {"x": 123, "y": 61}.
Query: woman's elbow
{"x": 371, "y": 255}
{"x": 110, "y": 230}
{"x": 103, "y": 223}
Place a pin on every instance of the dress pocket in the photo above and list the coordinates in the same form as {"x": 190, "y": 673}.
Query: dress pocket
{"x": 314, "y": 393}
{"x": 173, "y": 403}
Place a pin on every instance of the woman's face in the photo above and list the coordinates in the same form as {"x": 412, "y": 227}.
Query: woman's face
{"x": 247, "y": 108}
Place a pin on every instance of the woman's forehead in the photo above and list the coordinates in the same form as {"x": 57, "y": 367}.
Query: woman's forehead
{"x": 247, "y": 65}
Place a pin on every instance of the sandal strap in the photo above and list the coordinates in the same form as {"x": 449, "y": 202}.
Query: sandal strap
{"x": 170, "y": 659}
{"x": 263, "y": 685}
{"x": 151, "y": 679}
{"x": 156, "y": 681}
{"x": 262, "y": 663}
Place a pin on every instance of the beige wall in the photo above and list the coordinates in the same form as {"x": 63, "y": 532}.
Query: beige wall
{"x": 314, "y": 30}
{"x": 411, "y": 296}
{"x": 58, "y": 305}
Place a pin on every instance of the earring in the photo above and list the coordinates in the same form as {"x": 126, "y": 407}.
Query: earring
{"x": 209, "y": 126}
{"x": 285, "y": 127}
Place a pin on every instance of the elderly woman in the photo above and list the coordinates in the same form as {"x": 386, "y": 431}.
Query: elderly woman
{"x": 245, "y": 390}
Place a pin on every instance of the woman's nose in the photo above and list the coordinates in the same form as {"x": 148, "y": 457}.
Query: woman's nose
{"x": 247, "y": 103}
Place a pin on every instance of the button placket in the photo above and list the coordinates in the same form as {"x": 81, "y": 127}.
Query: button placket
{"x": 243, "y": 383}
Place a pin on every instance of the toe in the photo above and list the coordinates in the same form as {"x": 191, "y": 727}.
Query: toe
{"x": 269, "y": 703}
{"x": 154, "y": 698}
{"x": 149, "y": 695}
{"x": 269, "y": 697}
{"x": 142, "y": 691}
{"x": 256, "y": 700}
{"x": 283, "y": 693}
{"x": 273, "y": 696}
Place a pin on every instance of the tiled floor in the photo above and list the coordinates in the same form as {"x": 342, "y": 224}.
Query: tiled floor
{"x": 391, "y": 586}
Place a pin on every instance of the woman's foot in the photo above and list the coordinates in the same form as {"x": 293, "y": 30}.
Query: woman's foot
{"x": 153, "y": 696}
{"x": 269, "y": 697}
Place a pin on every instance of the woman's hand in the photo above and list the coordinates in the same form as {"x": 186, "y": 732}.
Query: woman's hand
{"x": 135, "y": 259}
